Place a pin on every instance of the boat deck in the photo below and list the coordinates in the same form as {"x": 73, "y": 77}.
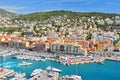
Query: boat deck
{"x": 46, "y": 76}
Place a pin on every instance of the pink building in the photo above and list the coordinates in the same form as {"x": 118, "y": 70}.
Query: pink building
{"x": 42, "y": 46}
{"x": 84, "y": 44}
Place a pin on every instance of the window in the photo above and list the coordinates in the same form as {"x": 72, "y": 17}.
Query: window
{"x": 62, "y": 48}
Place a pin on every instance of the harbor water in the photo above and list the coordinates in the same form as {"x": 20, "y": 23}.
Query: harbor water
{"x": 92, "y": 71}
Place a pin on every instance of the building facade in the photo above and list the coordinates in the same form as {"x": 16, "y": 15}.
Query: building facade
{"x": 67, "y": 48}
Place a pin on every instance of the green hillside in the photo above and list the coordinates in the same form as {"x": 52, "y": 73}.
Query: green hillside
{"x": 5, "y": 13}
{"x": 69, "y": 14}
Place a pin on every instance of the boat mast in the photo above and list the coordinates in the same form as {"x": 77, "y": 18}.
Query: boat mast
{"x": 1, "y": 62}
{"x": 76, "y": 70}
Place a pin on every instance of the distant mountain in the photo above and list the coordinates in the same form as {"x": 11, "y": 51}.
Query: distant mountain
{"x": 49, "y": 14}
{"x": 69, "y": 14}
{"x": 4, "y": 13}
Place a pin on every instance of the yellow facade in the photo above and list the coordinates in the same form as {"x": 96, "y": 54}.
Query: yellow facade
{"x": 27, "y": 44}
{"x": 2, "y": 39}
{"x": 101, "y": 47}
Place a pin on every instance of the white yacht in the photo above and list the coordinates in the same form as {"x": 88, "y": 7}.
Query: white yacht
{"x": 72, "y": 77}
{"x": 25, "y": 63}
{"x": 36, "y": 71}
{"x": 19, "y": 76}
{"x": 43, "y": 59}
{"x": 76, "y": 77}
{"x": 50, "y": 68}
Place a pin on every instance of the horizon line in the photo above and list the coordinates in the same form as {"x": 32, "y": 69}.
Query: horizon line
{"x": 61, "y": 10}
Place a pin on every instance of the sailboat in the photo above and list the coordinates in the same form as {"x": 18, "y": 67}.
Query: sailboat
{"x": 53, "y": 72}
{"x": 72, "y": 77}
{"x": 2, "y": 69}
{"x": 76, "y": 76}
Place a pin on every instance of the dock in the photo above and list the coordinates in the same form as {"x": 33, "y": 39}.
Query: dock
{"x": 113, "y": 58}
{"x": 80, "y": 61}
{"x": 5, "y": 73}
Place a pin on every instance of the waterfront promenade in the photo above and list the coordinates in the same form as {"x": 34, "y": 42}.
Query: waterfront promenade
{"x": 71, "y": 59}
{"x": 89, "y": 70}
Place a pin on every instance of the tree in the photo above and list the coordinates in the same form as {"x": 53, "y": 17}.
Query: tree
{"x": 89, "y": 36}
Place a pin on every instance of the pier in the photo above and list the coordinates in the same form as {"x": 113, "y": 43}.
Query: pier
{"x": 79, "y": 60}
{"x": 5, "y": 73}
{"x": 113, "y": 58}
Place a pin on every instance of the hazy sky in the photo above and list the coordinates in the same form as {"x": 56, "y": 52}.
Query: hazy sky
{"x": 30, "y": 6}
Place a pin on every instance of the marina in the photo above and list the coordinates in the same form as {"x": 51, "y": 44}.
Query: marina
{"x": 59, "y": 40}
{"x": 44, "y": 66}
{"x": 89, "y": 71}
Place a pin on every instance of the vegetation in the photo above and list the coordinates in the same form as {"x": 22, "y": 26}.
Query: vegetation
{"x": 89, "y": 36}
{"x": 57, "y": 19}
{"x": 69, "y": 14}
{"x": 115, "y": 42}
{"x": 5, "y": 13}
{"x": 74, "y": 17}
{"x": 9, "y": 30}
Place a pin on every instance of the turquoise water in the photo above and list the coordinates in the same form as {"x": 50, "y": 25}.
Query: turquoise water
{"x": 110, "y": 70}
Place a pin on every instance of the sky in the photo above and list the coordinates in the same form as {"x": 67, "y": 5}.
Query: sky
{"x": 30, "y": 6}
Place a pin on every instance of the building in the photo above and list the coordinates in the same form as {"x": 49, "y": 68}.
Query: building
{"x": 84, "y": 44}
{"x": 68, "y": 48}
{"x": 16, "y": 43}
{"x": 42, "y": 46}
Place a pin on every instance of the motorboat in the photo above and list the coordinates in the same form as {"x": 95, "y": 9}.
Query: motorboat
{"x": 19, "y": 76}
{"x": 43, "y": 59}
{"x": 25, "y": 63}
{"x": 76, "y": 77}
{"x": 50, "y": 68}
{"x": 72, "y": 77}
{"x": 36, "y": 71}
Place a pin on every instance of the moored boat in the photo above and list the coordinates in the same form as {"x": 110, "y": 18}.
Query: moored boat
{"x": 36, "y": 71}
{"x": 50, "y": 68}
{"x": 72, "y": 77}
{"x": 19, "y": 76}
{"x": 25, "y": 63}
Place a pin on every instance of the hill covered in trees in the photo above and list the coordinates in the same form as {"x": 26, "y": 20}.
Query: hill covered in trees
{"x": 69, "y": 14}
{"x": 85, "y": 19}
{"x": 4, "y": 13}
{"x": 58, "y": 19}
